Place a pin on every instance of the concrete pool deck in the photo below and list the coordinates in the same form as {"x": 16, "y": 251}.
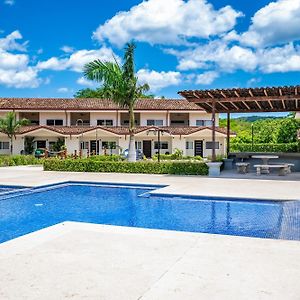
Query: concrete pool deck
{"x": 89, "y": 261}
{"x": 260, "y": 188}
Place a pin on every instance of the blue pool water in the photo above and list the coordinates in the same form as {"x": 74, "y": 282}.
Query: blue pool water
{"x": 30, "y": 210}
{"x": 8, "y": 188}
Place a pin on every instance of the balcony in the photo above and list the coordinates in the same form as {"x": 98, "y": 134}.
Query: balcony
{"x": 179, "y": 119}
{"x": 85, "y": 117}
{"x": 33, "y": 117}
{"x": 124, "y": 119}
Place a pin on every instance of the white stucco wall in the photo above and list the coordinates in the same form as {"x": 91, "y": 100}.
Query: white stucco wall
{"x": 207, "y": 152}
{"x": 18, "y": 145}
{"x": 72, "y": 144}
{"x": 103, "y": 116}
{"x": 194, "y": 116}
{"x": 4, "y": 138}
{"x": 44, "y": 116}
{"x": 178, "y": 143}
{"x": 153, "y": 116}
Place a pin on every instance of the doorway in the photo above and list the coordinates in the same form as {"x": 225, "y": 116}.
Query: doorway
{"x": 147, "y": 148}
{"x": 198, "y": 148}
{"x": 94, "y": 147}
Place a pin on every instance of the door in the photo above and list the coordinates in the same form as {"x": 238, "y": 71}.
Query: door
{"x": 198, "y": 148}
{"x": 94, "y": 147}
{"x": 147, "y": 149}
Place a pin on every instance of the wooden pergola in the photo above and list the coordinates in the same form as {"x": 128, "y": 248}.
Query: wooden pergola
{"x": 243, "y": 100}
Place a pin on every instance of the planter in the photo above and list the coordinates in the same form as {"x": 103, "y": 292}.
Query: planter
{"x": 228, "y": 163}
{"x": 214, "y": 168}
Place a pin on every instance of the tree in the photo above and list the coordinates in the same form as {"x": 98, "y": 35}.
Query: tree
{"x": 90, "y": 93}
{"x": 120, "y": 84}
{"x": 10, "y": 126}
{"x": 99, "y": 93}
{"x": 287, "y": 132}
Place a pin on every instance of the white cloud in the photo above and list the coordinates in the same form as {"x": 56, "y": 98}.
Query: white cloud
{"x": 158, "y": 80}
{"x": 207, "y": 78}
{"x": 167, "y": 22}
{"x": 15, "y": 68}
{"x": 253, "y": 81}
{"x": 76, "y": 60}
{"x": 228, "y": 58}
{"x": 63, "y": 90}
{"x": 279, "y": 59}
{"x": 10, "y": 42}
{"x": 276, "y": 23}
{"x": 27, "y": 78}
{"x": 83, "y": 81}
{"x": 9, "y": 2}
{"x": 67, "y": 49}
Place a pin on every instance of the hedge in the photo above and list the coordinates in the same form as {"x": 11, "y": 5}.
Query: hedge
{"x": 288, "y": 147}
{"x": 172, "y": 157}
{"x": 146, "y": 167}
{"x": 18, "y": 160}
{"x": 112, "y": 157}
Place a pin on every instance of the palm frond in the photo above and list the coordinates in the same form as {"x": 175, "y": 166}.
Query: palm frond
{"x": 128, "y": 66}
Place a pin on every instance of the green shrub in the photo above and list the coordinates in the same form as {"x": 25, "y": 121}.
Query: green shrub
{"x": 113, "y": 157}
{"x": 18, "y": 160}
{"x": 176, "y": 157}
{"x": 146, "y": 167}
{"x": 288, "y": 147}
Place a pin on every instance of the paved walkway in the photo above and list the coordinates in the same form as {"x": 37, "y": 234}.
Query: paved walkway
{"x": 87, "y": 261}
{"x": 260, "y": 188}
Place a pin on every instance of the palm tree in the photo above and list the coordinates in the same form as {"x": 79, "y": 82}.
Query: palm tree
{"x": 119, "y": 84}
{"x": 9, "y": 125}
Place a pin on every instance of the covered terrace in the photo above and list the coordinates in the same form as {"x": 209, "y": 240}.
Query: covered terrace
{"x": 244, "y": 100}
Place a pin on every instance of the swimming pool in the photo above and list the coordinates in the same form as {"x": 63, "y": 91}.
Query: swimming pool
{"x": 4, "y": 189}
{"x": 28, "y": 210}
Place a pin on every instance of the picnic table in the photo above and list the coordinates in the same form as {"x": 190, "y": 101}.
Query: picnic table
{"x": 265, "y": 158}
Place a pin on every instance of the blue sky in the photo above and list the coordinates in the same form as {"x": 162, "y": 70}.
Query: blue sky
{"x": 180, "y": 44}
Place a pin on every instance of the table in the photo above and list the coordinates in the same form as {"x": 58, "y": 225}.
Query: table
{"x": 265, "y": 158}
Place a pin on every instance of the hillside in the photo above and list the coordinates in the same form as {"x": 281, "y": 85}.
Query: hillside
{"x": 265, "y": 129}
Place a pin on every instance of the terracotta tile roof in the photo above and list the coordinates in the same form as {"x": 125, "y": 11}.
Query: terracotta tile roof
{"x": 92, "y": 104}
{"x": 75, "y": 130}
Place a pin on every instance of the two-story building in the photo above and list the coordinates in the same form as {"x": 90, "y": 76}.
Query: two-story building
{"x": 96, "y": 125}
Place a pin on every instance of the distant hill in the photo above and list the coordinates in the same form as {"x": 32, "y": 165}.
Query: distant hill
{"x": 252, "y": 119}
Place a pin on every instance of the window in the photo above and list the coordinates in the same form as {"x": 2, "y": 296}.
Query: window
{"x": 126, "y": 122}
{"x": 4, "y": 145}
{"x": 109, "y": 145}
{"x": 41, "y": 144}
{"x": 105, "y": 122}
{"x": 178, "y": 121}
{"x": 84, "y": 145}
{"x": 138, "y": 145}
{"x": 155, "y": 122}
{"x": 163, "y": 145}
{"x": 189, "y": 145}
{"x": 209, "y": 145}
{"x": 203, "y": 122}
{"x": 53, "y": 122}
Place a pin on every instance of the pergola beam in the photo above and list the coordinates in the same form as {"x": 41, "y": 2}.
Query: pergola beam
{"x": 223, "y": 105}
{"x": 235, "y": 99}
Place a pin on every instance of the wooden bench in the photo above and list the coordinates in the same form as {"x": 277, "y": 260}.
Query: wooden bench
{"x": 283, "y": 169}
{"x": 242, "y": 167}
